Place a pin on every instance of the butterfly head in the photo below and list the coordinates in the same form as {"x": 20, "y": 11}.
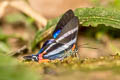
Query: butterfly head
{"x": 31, "y": 58}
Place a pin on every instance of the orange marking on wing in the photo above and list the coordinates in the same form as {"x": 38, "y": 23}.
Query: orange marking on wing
{"x": 41, "y": 58}
{"x": 73, "y": 48}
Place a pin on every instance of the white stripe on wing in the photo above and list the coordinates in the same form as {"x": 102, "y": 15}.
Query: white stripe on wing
{"x": 67, "y": 34}
{"x": 62, "y": 48}
{"x": 50, "y": 46}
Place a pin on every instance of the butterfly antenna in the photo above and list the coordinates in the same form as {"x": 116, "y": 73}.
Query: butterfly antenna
{"x": 89, "y": 47}
{"x": 84, "y": 46}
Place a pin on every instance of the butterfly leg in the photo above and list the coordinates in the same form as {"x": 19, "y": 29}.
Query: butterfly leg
{"x": 77, "y": 55}
{"x": 75, "y": 50}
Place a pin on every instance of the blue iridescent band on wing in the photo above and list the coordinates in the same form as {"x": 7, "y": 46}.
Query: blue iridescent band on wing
{"x": 56, "y": 33}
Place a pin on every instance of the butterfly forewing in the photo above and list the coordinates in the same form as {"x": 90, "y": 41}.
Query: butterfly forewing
{"x": 69, "y": 32}
{"x": 63, "y": 21}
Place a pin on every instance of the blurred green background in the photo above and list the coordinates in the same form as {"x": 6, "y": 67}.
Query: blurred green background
{"x": 22, "y": 27}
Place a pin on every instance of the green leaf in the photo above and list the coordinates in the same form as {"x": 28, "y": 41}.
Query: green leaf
{"x": 4, "y": 48}
{"x": 10, "y": 69}
{"x": 87, "y": 17}
{"x": 95, "y": 16}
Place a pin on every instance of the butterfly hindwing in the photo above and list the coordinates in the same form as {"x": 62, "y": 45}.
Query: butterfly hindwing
{"x": 63, "y": 21}
{"x": 53, "y": 49}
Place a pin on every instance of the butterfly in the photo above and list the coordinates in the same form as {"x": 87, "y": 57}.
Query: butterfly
{"x": 63, "y": 40}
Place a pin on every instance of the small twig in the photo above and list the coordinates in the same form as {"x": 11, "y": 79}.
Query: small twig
{"x": 24, "y": 7}
{"x": 3, "y": 5}
{"x": 21, "y": 51}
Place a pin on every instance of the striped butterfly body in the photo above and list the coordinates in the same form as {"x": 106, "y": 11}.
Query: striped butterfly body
{"x": 63, "y": 40}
